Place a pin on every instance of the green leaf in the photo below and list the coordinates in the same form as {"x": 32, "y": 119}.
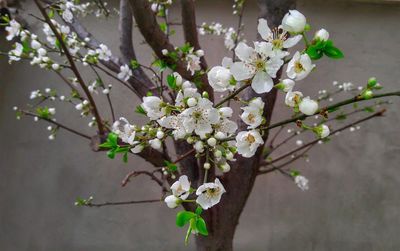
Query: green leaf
{"x": 161, "y": 64}
{"x": 199, "y": 210}
{"x": 163, "y": 27}
{"x": 314, "y": 53}
{"x": 112, "y": 138}
{"x": 201, "y": 226}
{"x": 125, "y": 157}
{"x": 134, "y": 64}
{"x": 139, "y": 109}
{"x": 171, "y": 80}
{"x": 171, "y": 166}
{"x": 183, "y": 217}
{"x": 105, "y": 145}
{"x": 333, "y": 52}
{"x": 51, "y": 13}
{"x": 111, "y": 154}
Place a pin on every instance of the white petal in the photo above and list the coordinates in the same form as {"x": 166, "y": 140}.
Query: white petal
{"x": 262, "y": 83}
{"x": 243, "y": 51}
{"x": 273, "y": 66}
{"x": 263, "y": 28}
{"x": 241, "y": 71}
{"x": 292, "y": 41}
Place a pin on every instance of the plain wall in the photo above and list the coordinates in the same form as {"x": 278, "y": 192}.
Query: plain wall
{"x": 353, "y": 202}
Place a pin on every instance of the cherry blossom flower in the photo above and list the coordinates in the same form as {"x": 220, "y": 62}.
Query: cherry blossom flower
{"x": 174, "y": 122}
{"x": 13, "y": 30}
{"x": 103, "y": 52}
{"x": 278, "y": 37}
{"x": 200, "y": 117}
{"x": 209, "y": 194}
{"x": 220, "y": 79}
{"x": 308, "y": 106}
{"x": 294, "y": 21}
{"x": 252, "y": 114}
{"x": 125, "y": 73}
{"x": 301, "y": 182}
{"x": 247, "y": 143}
{"x": 153, "y": 107}
{"x": 299, "y": 67}
{"x": 125, "y": 131}
{"x": 293, "y": 98}
{"x": 15, "y": 55}
{"x": 259, "y": 64}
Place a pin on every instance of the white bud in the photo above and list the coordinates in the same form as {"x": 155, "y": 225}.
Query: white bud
{"x": 190, "y": 140}
{"x": 51, "y": 137}
{"x": 172, "y": 201}
{"x": 288, "y": 85}
{"x": 199, "y": 146}
{"x": 178, "y": 79}
{"x": 160, "y": 134}
{"x": 308, "y": 106}
{"x": 55, "y": 67}
{"x": 217, "y": 154}
{"x": 322, "y": 35}
{"x": 52, "y": 111}
{"x": 229, "y": 155}
{"x": 155, "y": 143}
{"x": 225, "y": 167}
{"x": 211, "y": 142}
{"x": 85, "y": 102}
{"x": 294, "y": 21}
{"x": 200, "y": 53}
{"x": 164, "y": 52}
{"x": 191, "y": 102}
{"x": 220, "y": 135}
{"x": 207, "y": 166}
{"x": 79, "y": 106}
{"x": 106, "y": 91}
{"x": 35, "y": 45}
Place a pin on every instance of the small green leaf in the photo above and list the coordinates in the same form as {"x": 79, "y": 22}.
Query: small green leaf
{"x": 369, "y": 109}
{"x": 139, "y": 109}
{"x": 201, "y": 226}
{"x": 183, "y": 217}
{"x": 199, "y": 210}
{"x": 112, "y": 139}
{"x": 134, "y": 64}
{"x": 163, "y": 27}
{"x": 111, "y": 154}
{"x": 171, "y": 166}
{"x": 171, "y": 80}
{"x": 333, "y": 52}
{"x": 314, "y": 53}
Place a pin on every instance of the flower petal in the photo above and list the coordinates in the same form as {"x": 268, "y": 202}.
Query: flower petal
{"x": 292, "y": 41}
{"x": 243, "y": 51}
{"x": 241, "y": 71}
{"x": 263, "y": 28}
{"x": 262, "y": 82}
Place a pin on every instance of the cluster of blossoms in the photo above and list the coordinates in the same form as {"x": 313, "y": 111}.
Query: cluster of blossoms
{"x": 230, "y": 34}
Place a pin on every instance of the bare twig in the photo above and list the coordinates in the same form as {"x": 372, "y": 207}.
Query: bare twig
{"x": 119, "y": 203}
{"x": 137, "y": 173}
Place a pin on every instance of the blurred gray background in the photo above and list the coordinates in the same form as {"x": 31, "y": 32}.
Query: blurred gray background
{"x": 353, "y": 202}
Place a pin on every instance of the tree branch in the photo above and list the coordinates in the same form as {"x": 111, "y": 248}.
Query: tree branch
{"x": 119, "y": 203}
{"x": 188, "y": 13}
{"x": 73, "y": 67}
{"x": 377, "y": 114}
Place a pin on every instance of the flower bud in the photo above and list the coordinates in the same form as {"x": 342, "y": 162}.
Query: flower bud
{"x": 191, "y": 102}
{"x": 200, "y": 53}
{"x": 322, "y": 131}
{"x": 211, "y": 142}
{"x": 172, "y": 201}
{"x": 190, "y": 140}
{"x": 372, "y": 82}
{"x": 367, "y": 94}
{"x": 220, "y": 135}
{"x": 164, "y": 52}
{"x": 322, "y": 35}
{"x": 286, "y": 85}
{"x": 199, "y": 146}
{"x": 155, "y": 143}
{"x": 160, "y": 134}
{"x": 217, "y": 154}
{"x": 225, "y": 167}
{"x": 178, "y": 79}
{"x": 205, "y": 95}
{"x": 229, "y": 155}
{"x": 207, "y": 166}
{"x": 294, "y": 21}
{"x": 308, "y": 106}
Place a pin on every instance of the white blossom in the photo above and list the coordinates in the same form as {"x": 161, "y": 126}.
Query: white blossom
{"x": 252, "y": 114}
{"x": 294, "y": 21}
{"x": 181, "y": 187}
{"x": 172, "y": 201}
{"x": 299, "y": 66}
{"x": 247, "y": 142}
{"x": 229, "y": 38}
{"x": 125, "y": 73}
{"x": 301, "y": 182}
{"x": 15, "y": 55}
{"x": 154, "y": 107}
{"x": 293, "y": 98}
{"x": 308, "y": 106}
{"x": 220, "y": 79}
{"x": 200, "y": 117}
{"x": 322, "y": 35}
{"x": 279, "y": 38}
{"x": 193, "y": 63}
{"x": 175, "y": 123}
{"x": 13, "y": 30}
{"x": 125, "y": 131}
{"x": 209, "y": 194}
{"x": 259, "y": 64}
{"x": 103, "y": 52}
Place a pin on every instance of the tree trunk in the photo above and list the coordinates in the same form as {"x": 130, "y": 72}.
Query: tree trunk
{"x": 223, "y": 219}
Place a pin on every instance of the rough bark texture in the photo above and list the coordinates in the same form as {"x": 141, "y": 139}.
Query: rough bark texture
{"x": 223, "y": 219}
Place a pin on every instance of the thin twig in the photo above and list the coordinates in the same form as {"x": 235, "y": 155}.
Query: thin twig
{"x": 119, "y": 203}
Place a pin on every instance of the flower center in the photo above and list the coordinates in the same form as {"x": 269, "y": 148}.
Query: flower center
{"x": 197, "y": 115}
{"x": 211, "y": 192}
{"x": 260, "y": 64}
{"x": 298, "y": 67}
{"x": 250, "y": 139}
{"x": 277, "y": 43}
{"x": 251, "y": 118}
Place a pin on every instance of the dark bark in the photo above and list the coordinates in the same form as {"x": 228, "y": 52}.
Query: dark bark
{"x": 223, "y": 219}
